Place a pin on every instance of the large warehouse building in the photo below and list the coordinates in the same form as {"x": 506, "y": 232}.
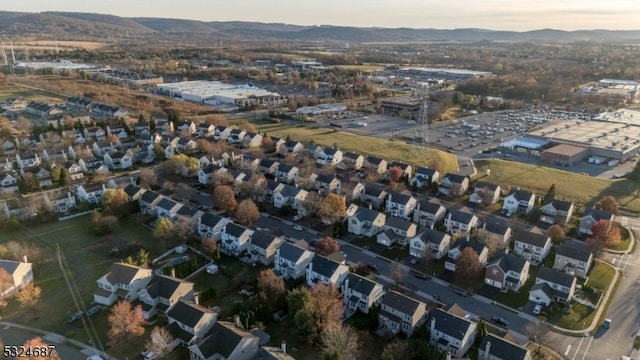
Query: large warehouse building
{"x": 611, "y": 135}
{"x": 217, "y": 93}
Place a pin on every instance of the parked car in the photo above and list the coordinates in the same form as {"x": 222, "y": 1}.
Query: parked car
{"x": 413, "y": 261}
{"x": 537, "y": 309}
{"x": 298, "y": 228}
{"x": 461, "y": 292}
{"x": 606, "y": 324}
{"x": 499, "y": 320}
{"x": 420, "y": 276}
{"x": 373, "y": 267}
{"x": 297, "y": 217}
{"x": 75, "y": 316}
{"x": 94, "y": 309}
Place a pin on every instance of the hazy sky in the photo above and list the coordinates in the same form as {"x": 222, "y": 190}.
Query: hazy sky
{"x": 441, "y": 14}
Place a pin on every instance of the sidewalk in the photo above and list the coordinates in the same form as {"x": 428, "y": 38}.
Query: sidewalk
{"x": 50, "y": 337}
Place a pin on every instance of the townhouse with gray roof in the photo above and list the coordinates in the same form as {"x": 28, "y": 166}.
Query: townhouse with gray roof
{"x": 400, "y": 205}
{"x": 122, "y": 282}
{"x": 323, "y": 269}
{"x": 264, "y": 246}
{"x": 453, "y": 185}
{"x": 210, "y": 225}
{"x": 451, "y": 333}
{"x": 400, "y": 313}
{"x": 163, "y": 292}
{"x": 429, "y": 243}
{"x": 573, "y": 258}
{"x": 188, "y": 322}
{"x": 493, "y": 347}
{"x": 291, "y": 260}
{"x": 460, "y": 221}
{"x": 556, "y": 212}
{"x": 235, "y": 239}
{"x": 552, "y": 286}
{"x": 428, "y": 212}
{"x": 507, "y": 272}
{"x": 363, "y": 221}
{"x": 532, "y": 245}
{"x": 225, "y": 341}
{"x": 360, "y": 293}
{"x": 590, "y": 217}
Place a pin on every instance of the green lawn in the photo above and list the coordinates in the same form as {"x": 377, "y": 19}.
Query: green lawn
{"x": 601, "y": 276}
{"x": 366, "y": 145}
{"x": 580, "y": 317}
{"x": 571, "y": 186}
{"x": 87, "y": 256}
{"x": 625, "y": 240}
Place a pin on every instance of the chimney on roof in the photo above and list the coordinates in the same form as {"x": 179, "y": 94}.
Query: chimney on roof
{"x": 173, "y": 272}
{"x": 487, "y": 349}
{"x": 236, "y": 320}
{"x": 448, "y": 355}
{"x": 283, "y": 346}
{"x": 196, "y": 298}
{"x": 433, "y": 323}
{"x": 24, "y": 259}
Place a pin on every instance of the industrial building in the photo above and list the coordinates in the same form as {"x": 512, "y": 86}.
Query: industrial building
{"x": 54, "y": 65}
{"x": 217, "y": 93}
{"x": 445, "y": 73}
{"x": 610, "y": 135}
{"x": 326, "y": 110}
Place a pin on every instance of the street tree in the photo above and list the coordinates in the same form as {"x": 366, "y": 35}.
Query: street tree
{"x": 160, "y": 342}
{"x": 327, "y": 245}
{"x": 397, "y": 273}
{"x": 332, "y": 208}
{"x": 268, "y": 145}
{"x": 538, "y": 331}
{"x": 556, "y": 233}
{"x": 28, "y": 297}
{"x": 221, "y": 177}
{"x": 342, "y": 342}
{"x": 608, "y": 203}
{"x": 205, "y": 146}
{"x": 605, "y": 234}
{"x": 467, "y": 266}
{"x": 271, "y": 289}
{"x": 37, "y": 349}
{"x": 125, "y": 322}
{"x": 115, "y": 202}
{"x": 224, "y": 198}
{"x": 398, "y": 349}
{"x": 247, "y": 212}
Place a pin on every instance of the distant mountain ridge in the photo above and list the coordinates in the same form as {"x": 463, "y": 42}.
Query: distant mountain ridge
{"x": 72, "y": 25}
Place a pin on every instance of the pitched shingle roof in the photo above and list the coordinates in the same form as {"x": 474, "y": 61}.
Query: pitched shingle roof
{"x": 210, "y": 219}
{"x": 323, "y": 266}
{"x": 234, "y": 229}
{"x": 461, "y": 216}
{"x": 455, "y": 178}
{"x": 188, "y": 313}
{"x": 449, "y": 324}
{"x": 165, "y": 286}
{"x": 597, "y": 215}
{"x": 511, "y": 262}
{"x": 149, "y": 196}
{"x": 400, "y": 198}
{"x": 433, "y": 236}
{"x": 401, "y": 302}
{"x": 398, "y": 223}
{"x": 503, "y": 349}
{"x": 291, "y": 252}
{"x": 360, "y": 284}
{"x": 222, "y": 338}
{"x": 560, "y": 204}
{"x": 120, "y": 273}
{"x": 533, "y": 238}
{"x": 521, "y": 195}
{"x": 556, "y": 277}
{"x": 573, "y": 251}
{"x": 262, "y": 239}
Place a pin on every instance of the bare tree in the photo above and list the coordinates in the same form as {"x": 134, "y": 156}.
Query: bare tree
{"x": 538, "y": 332}
{"x": 183, "y": 230}
{"x": 312, "y": 202}
{"x": 397, "y": 273}
{"x": 6, "y": 282}
{"x": 160, "y": 342}
{"x": 341, "y": 342}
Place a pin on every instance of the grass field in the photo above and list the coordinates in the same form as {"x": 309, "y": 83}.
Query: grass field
{"x": 570, "y": 186}
{"x": 12, "y": 91}
{"x": 601, "y": 276}
{"x": 366, "y": 145}
{"x": 88, "y": 259}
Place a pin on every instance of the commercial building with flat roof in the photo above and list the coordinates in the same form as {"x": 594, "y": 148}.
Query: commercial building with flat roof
{"x": 217, "y": 93}
{"x": 565, "y": 155}
{"x": 322, "y": 109}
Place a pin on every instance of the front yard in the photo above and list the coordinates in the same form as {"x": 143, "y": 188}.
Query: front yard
{"x": 88, "y": 258}
{"x": 601, "y": 276}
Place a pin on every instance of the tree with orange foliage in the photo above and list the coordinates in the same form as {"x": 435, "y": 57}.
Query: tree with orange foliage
{"x": 327, "y": 245}
{"x": 36, "y": 349}
{"x": 224, "y": 198}
{"x": 556, "y": 233}
{"x": 247, "y": 212}
{"x": 394, "y": 174}
{"x": 125, "y": 322}
{"x": 608, "y": 203}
